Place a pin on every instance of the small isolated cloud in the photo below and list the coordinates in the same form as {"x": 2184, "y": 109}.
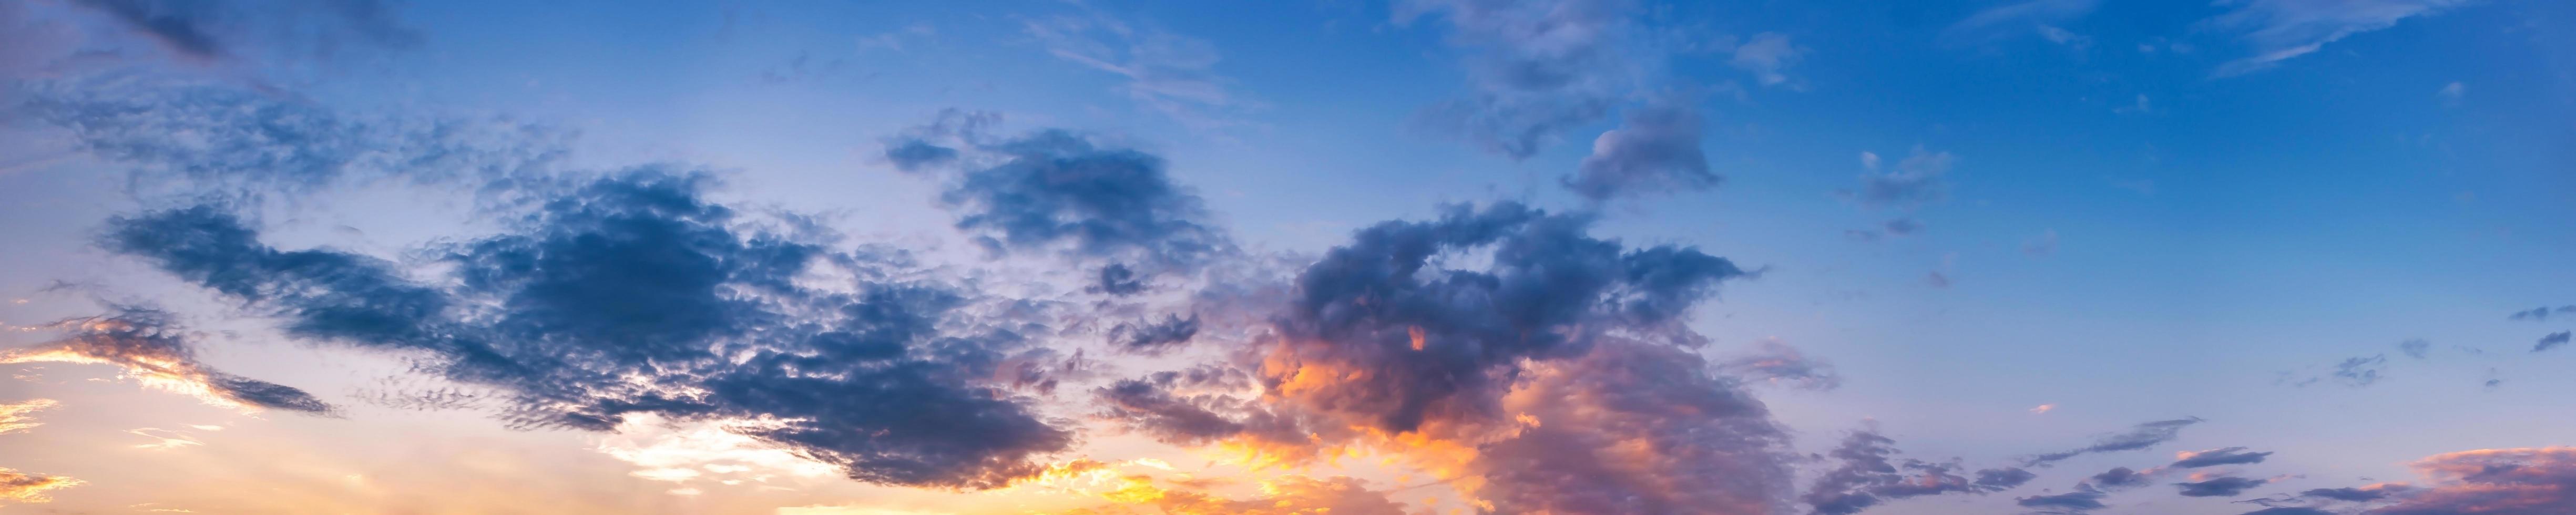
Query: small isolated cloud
{"x": 19, "y": 416}
{"x": 2360, "y": 371}
{"x": 2043, "y": 409}
{"x": 1915, "y": 182}
{"x": 2120, "y": 477}
{"x": 2083, "y": 499}
{"x": 2415, "y": 348}
{"x": 2217, "y": 457}
{"x": 148, "y": 349}
{"x": 2226, "y": 486}
{"x": 2277, "y": 30}
{"x": 1778, "y": 363}
{"x": 2541, "y": 313}
{"x": 1656, "y": 151}
{"x": 2451, "y": 93}
{"x": 2140, "y": 437}
{"x": 2552, "y": 340}
{"x": 1766, "y": 55}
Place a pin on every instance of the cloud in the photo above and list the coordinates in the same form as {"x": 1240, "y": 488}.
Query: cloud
{"x": 193, "y": 139}
{"x": 2225, "y": 486}
{"x": 2277, "y": 30}
{"x": 2551, "y": 340}
{"x": 1154, "y": 337}
{"x": 2043, "y": 244}
{"x": 18, "y": 417}
{"x": 2216, "y": 457}
{"x": 2289, "y": 510}
{"x": 1915, "y": 182}
{"x": 2415, "y": 347}
{"x": 2014, "y": 19}
{"x": 1537, "y": 69}
{"x": 1198, "y": 406}
{"x": 2540, "y": 313}
{"x": 1167, "y": 73}
{"x": 1053, "y": 190}
{"x": 2081, "y": 500}
{"x": 1869, "y": 475}
{"x": 1525, "y": 362}
{"x": 1778, "y": 363}
{"x": 23, "y": 487}
{"x": 149, "y": 349}
{"x": 2143, "y": 436}
{"x": 2118, "y": 478}
{"x": 1286, "y": 495}
{"x": 215, "y": 31}
{"x": 1766, "y": 55}
{"x": 632, "y": 295}
{"x": 2360, "y": 371}
{"x": 2535, "y": 480}
{"x": 1655, "y": 151}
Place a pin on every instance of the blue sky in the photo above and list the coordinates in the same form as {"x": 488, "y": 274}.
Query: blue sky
{"x": 1985, "y": 230}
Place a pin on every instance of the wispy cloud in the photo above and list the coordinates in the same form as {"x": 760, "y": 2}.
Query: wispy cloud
{"x": 2277, "y": 30}
{"x": 1167, "y": 73}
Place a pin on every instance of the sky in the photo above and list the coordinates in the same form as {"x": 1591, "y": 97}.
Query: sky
{"x": 2282, "y": 257}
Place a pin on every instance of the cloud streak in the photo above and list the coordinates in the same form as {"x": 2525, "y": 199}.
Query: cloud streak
{"x": 148, "y": 349}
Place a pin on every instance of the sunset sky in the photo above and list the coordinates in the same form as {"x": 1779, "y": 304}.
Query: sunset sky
{"x": 2286, "y": 257}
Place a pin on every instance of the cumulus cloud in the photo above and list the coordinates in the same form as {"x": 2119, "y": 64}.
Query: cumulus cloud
{"x": 149, "y": 349}
{"x": 24, "y": 487}
{"x": 1870, "y": 474}
{"x": 1778, "y": 363}
{"x": 633, "y": 295}
{"x": 2277, "y": 30}
{"x": 1655, "y": 151}
{"x": 1524, "y": 362}
{"x": 19, "y": 416}
{"x": 1054, "y": 190}
{"x": 2143, "y": 436}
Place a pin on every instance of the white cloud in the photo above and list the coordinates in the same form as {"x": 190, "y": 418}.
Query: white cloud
{"x": 2278, "y": 30}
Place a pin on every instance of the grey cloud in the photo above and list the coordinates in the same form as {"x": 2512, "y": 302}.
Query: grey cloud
{"x": 2540, "y": 313}
{"x": 633, "y": 295}
{"x": 1655, "y": 151}
{"x": 2216, "y": 457}
{"x": 1915, "y": 182}
{"x": 2118, "y": 478}
{"x": 1778, "y": 363}
{"x": 2552, "y": 340}
{"x": 1870, "y": 474}
{"x": 2227, "y": 486}
{"x": 1538, "y": 68}
{"x": 2415, "y": 348}
{"x": 1054, "y": 190}
{"x": 1155, "y": 337}
{"x": 2143, "y": 436}
{"x": 2079, "y": 501}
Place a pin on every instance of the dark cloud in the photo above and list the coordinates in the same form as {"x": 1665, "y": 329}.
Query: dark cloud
{"x": 2360, "y": 371}
{"x": 2225, "y": 486}
{"x": 2081, "y": 500}
{"x": 1655, "y": 151}
{"x": 2118, "y": 478}
{"x": 1197, "y": 406}
{"x": 1116, "y": 279}
{"x": 1155, "y": 337}
{"x": 1054, "y": 190}
{"x": 1778, "y": 363}
{"x": 1870, "y": 474}
{"x": 148, "y": 345}
{"x": 633, "y": 295}
{"x": 24, "y": 487}
{"x": 1915, "y": 182}
{"x": 1542, "y": 364}
{"x": 2349, "y": 494}
{"x": 2289, "y": 510}
{"x": 2216, "y": 457}
{"x": 2552, "y": 340}
{"x": 2143, "y": 436}
{"x": 2541, "y": 313}
{"x": 220, "y": 30}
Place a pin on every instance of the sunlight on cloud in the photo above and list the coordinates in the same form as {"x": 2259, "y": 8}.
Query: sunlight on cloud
{"x": 17, "y": 417}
